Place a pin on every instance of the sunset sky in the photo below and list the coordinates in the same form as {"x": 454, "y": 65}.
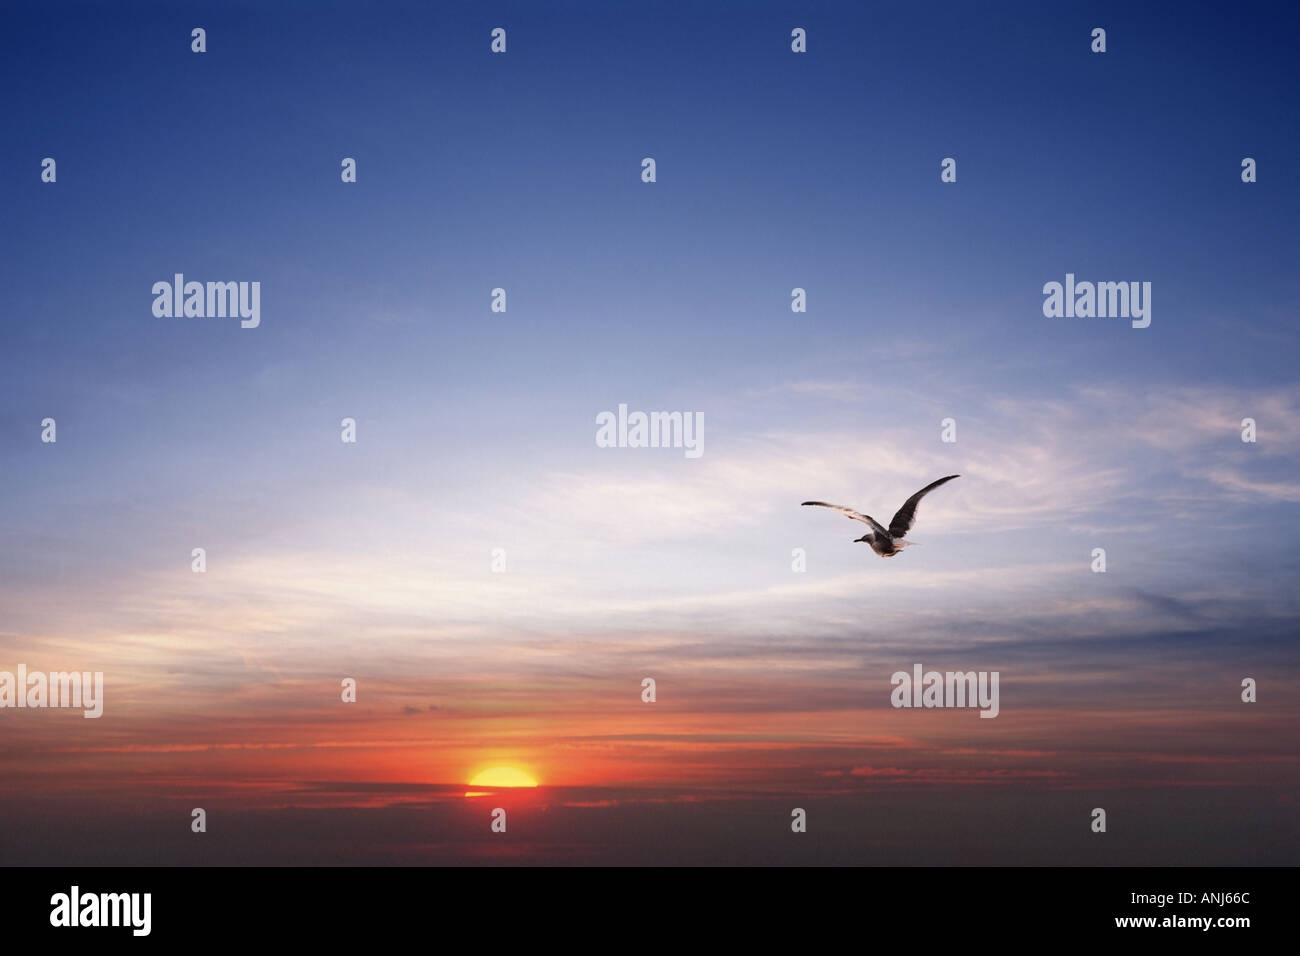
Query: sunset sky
{"x": 476, "y": 431}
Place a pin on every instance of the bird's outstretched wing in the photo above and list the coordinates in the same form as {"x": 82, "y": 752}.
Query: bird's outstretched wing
{"x": 906, "y": 517}
{"x": 855, "y": 515}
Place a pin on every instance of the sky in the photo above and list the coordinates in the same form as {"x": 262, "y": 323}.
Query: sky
{"x": 476, "y": 431}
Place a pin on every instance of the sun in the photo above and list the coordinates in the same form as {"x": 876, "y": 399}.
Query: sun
{"x": 502, "y": 777}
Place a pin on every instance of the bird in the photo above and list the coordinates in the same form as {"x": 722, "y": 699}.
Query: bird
{"x": 887, "y": 542}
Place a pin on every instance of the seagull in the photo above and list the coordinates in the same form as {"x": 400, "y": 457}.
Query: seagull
{"x": 887, "y": 542}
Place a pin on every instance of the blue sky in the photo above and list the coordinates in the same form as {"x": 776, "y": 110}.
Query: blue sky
{"x": 476, "y": 429}
{"x": 775, "y": 171}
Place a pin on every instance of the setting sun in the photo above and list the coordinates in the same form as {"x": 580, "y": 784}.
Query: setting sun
{"x": 502, "y": 777}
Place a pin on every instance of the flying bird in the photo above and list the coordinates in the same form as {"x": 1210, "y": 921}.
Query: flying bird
{"x": 887, "y": 542}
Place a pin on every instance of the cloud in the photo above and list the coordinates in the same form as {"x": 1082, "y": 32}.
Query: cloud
{"x": 1242, "y": 488}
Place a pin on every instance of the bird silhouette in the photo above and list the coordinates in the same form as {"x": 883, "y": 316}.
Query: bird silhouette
{"x": 887, "y": 542}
